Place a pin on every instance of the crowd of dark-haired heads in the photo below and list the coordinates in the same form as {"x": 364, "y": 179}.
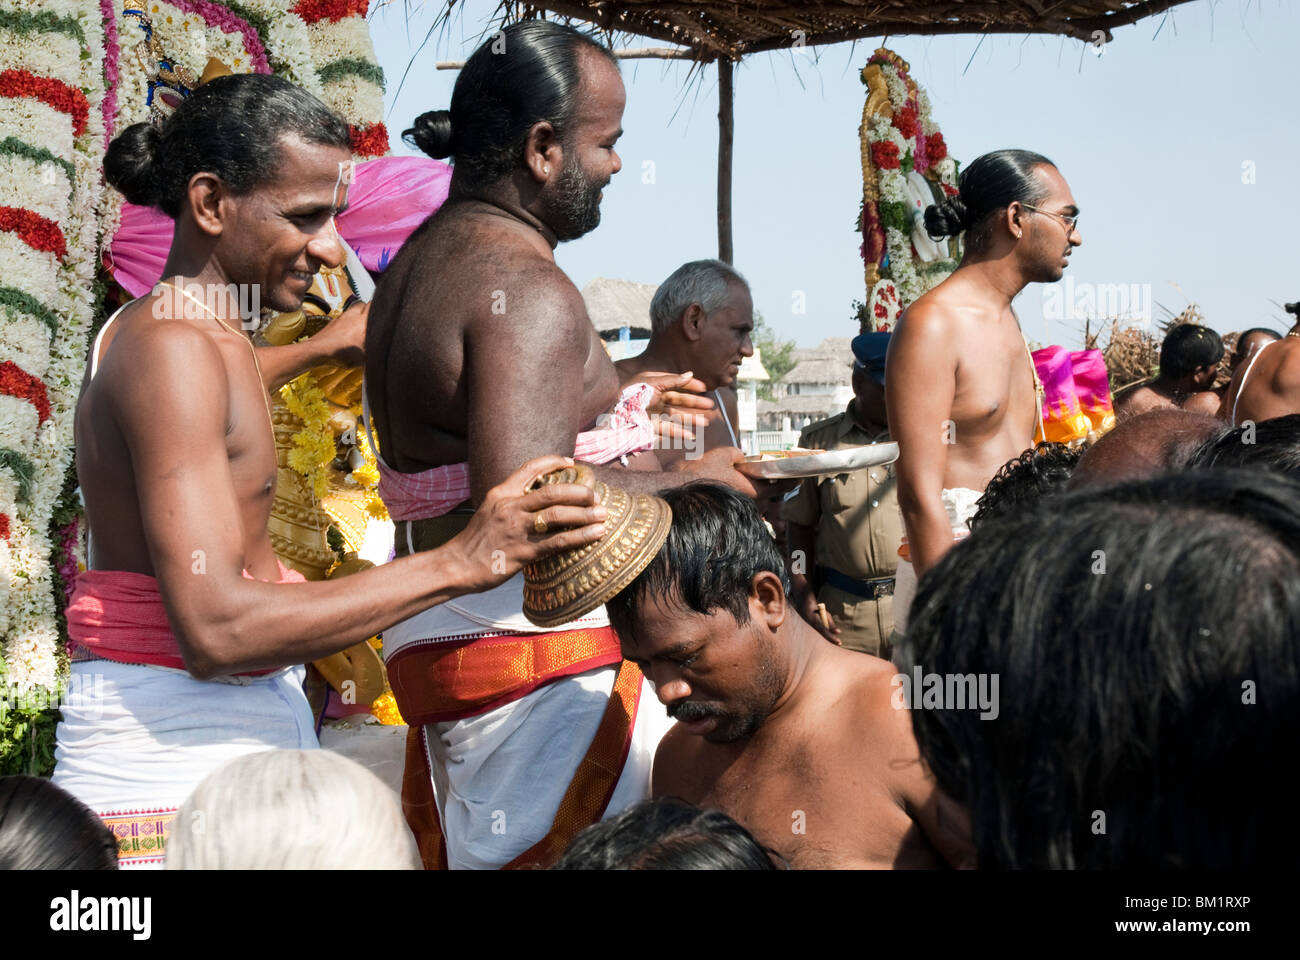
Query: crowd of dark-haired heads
{"x": 1141, "y": 617}
{"x": 1141, "y": 626}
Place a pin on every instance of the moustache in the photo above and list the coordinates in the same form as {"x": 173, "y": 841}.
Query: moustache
{"x": 689, "y": 711}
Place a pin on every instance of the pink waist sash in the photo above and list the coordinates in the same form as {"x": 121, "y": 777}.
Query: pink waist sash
{"x": 438, "y": 490}
{"x": 118, "y": 615}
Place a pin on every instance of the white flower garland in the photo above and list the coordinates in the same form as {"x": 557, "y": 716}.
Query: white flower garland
{"x": 26, "y": 582}
{"x": 355, "y": 99}
{"x": 36, "y": 122}
{"x": 24, "y": 340}
{"x": 58, "y": 56}
{"x": 40, "y": 187}
{"x": 348, "y": 37}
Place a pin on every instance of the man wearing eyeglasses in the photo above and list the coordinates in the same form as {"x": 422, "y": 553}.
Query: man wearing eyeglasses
{"x": 963, "y": 395}
{"x": 843, "y": 531}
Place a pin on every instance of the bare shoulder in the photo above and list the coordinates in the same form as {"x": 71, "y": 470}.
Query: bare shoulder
{"x": 148, "y": 351}
{"x": 1204, "y": 401}
{"x": 534, "y": 293}
{"x": 925, "y": 333}
{"x": 879, "y": 712}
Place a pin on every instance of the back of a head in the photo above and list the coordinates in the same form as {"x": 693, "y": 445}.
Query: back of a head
{"x": 1143, "y": 446}
{"x": 1023, "y": 482}
{"x": 706, "y": 282}
{"x": 291, "y": 809}
{"x": 987, "y": 185}
{"x": 1271, "y": 444}
{"x": 1143, "y": 637}
{"x": 1249, "y": 341}
{"x": 232, "y": 126}
{"x": 716, "y": 545}
{"x": 526, "y": 73}
{"x": 1188, "y": 346}
{"x": 665, "y": 835}
{"x": 43, "y": 827}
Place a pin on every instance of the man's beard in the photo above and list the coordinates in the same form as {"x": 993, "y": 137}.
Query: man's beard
{"x": 574, "y": 205}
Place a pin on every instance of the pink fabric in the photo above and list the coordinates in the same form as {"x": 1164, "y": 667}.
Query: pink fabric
{"x": 1092, "y": 384}
{"x": 1077, "y": 393}
{"x": 389, "y": 198}
{"x": 118, "y": 615}
{"x": 437, "y": 491}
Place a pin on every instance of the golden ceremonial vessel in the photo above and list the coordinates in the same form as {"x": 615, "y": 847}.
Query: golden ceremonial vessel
{"x": 299, "y": 521}
{"x": 563, "y": 587}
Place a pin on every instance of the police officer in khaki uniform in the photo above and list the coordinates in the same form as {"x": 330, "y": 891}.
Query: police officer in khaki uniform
{"x": 849, "y": 523}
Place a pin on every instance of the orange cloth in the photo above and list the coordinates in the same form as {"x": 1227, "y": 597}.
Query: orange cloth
{"x": 118, "y": 615}
{"x": 451, "y": 680}
{"x": 584, "y": 801}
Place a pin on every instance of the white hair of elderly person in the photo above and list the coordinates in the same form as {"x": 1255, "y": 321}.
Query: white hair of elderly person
{"x": 291, "y": 810}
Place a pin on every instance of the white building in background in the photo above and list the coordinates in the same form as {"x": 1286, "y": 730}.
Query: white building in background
{"x": 819, "y": 385}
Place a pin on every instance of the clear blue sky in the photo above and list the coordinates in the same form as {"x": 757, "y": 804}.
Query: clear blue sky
{"x": 1152, "y": 137}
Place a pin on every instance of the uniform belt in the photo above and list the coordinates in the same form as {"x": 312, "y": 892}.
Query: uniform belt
{"x": 867, "y": 589}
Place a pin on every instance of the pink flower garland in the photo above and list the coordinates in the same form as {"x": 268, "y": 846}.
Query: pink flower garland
{"x": 108, "y": 10}
{"x": 68, "y": 568}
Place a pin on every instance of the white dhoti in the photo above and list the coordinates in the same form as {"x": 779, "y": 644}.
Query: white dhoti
{"x": 136, "y": 740}
{"x": 959, "y": 502}
{"x": 498, "y": 777}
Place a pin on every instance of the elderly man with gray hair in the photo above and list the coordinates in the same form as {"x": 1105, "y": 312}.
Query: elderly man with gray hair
{"x": 700, "y": 321}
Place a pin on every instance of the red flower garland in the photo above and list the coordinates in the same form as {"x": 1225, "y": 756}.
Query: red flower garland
{"x": 884, "y": 154}
{"x": 935, "y": 148}
{"x": 39, "y": 233}
{"x": 4, "y": 526}
{"x": 906, "y": 122}
{"x": 312, "y": 11}
{"x": 949, "y": 190}
{"x": 60, "y": 96}
{"x": 17, "y": 382}
{"x": 371, "y": 141}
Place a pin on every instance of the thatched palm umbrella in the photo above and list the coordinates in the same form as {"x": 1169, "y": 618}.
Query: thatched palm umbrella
{"x": 723, "y": 31}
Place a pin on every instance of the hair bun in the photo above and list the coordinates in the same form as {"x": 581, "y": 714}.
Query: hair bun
{"x": 432, "y": 133}
{"x": 130, "y": 164}
{"x": 946, "y": 219}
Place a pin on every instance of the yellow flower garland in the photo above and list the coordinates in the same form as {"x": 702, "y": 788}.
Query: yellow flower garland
{"x": 313, "y": 445}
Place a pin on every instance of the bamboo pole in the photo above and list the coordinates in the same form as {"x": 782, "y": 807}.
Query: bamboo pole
{"x": 726, "y": 130}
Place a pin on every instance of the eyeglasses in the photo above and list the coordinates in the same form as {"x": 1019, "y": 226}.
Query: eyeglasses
{"x": 1070, "y": 220}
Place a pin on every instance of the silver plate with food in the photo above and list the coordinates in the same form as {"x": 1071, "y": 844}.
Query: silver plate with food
{"x": 793, "y": 464}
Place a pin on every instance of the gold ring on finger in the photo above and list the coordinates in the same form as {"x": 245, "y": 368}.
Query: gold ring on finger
{"x": 540, "y": 526}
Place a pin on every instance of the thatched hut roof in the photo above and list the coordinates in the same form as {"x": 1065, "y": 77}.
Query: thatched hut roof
{"x": 735, "y": 28}
{"x": 614, "y": 304}
{"x": 838, "y": 372}
{"x": 815, "y": 405}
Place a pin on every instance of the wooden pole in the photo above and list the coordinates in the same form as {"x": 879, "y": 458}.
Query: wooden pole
{"x": 726, "y": 129}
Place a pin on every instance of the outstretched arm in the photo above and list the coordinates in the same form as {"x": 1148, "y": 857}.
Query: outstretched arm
{"x": 920, "y": 383}
{"x": 226, "y": 623}
{"x": 341, "y": 340}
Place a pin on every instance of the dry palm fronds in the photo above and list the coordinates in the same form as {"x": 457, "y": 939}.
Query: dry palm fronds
{"x": 1132, "y": 354}
{"x": 736, "y": 28}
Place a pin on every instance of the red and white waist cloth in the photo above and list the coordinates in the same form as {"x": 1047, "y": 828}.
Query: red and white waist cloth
{"x": 520, "y": 736}
{"x": 138, "y": 732}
